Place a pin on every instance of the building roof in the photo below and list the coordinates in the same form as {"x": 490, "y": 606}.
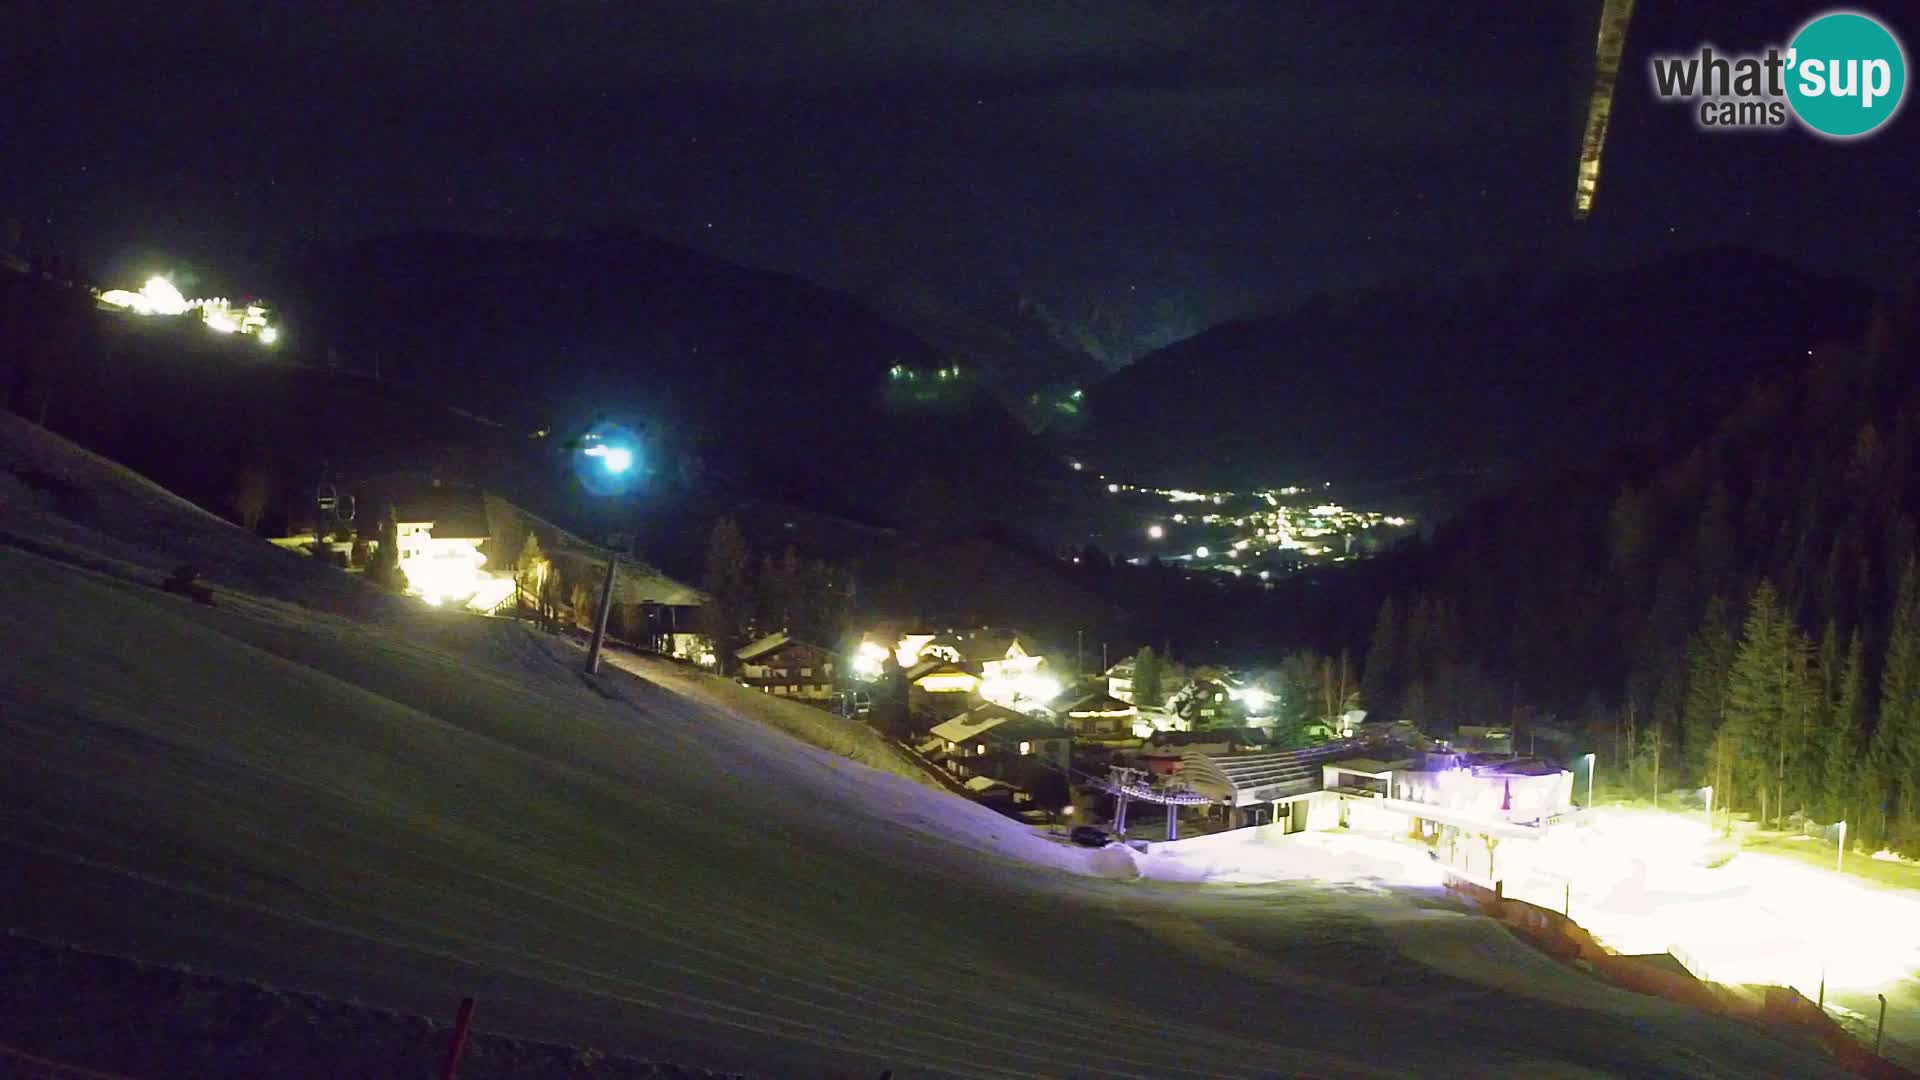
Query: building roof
{"x": 1243, "y": 779}
{"x": 1029, "y": 727}
{"x": 973, "y": 723}
{"x": 1516, "y": 767}
{"x": 985, "y": 643}
{"x": 998, "y": 724}
{"x": 980, "y": 785}
{"x": 635, "y": 582}
{"x": 765, "y": 645}
{"x": 929, "y": 667}
{"x": 1223, "y": 736}
{"x": 1363, "y": 765}
{"x": 770, "y": 643}
{"x": 1096, "y": 703}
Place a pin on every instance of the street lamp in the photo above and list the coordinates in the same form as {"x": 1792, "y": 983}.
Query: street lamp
{"x": 606, "y": 467}
{"x": 614, "y": 459}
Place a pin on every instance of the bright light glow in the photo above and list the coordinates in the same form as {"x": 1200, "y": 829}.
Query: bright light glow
{"x": 269, "y": 335}
{"x": 1015, "y": 690}
{"x": 221, "y": 323}
{"x": 131, "y": 300}
{"x": 162, "y": 298}
{"x": 1255, "y": 699}
{"x": 1155, "y": 532}
{"x": 443, "y": 571}
{"x": 1200, "y": 553}
{"x": 948, "y": 682}
{"x": 907, "y": 652}
{"x": 614, "y": 459}
{"x": 1113, "y": 489}
{"x": 491, "y": 593}
{"x": 868, "y": 659}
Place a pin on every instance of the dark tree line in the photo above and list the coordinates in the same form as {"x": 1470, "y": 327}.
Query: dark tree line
{"x": 1737, "y": 609}
{"x": 747, "y": 600}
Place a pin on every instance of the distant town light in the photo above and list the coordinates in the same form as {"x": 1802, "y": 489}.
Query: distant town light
{"x": 1200, "y": 553}
{"x": 1113, "y": 489}
{"x": 269, "y": 335}
{"x": 1156, "y": 532}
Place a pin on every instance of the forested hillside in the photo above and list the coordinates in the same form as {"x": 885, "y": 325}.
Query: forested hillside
{"x": 1742, "y": 612}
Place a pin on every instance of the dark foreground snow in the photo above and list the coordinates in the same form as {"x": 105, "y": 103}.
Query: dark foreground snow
{"x": 405, "y": 807}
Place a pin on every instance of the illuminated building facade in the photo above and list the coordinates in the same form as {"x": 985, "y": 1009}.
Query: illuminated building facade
{"x": 785, "y": 667}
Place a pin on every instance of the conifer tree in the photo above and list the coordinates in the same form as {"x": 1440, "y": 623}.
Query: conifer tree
{"x": 1896, "y": 738}
{"x": 1757, "y": 697}
{"x": 1709, "y": 658}
{"x": 1845, "y": 772}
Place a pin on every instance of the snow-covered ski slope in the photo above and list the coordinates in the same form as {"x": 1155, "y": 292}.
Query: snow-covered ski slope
{"x": 331, "y": 791}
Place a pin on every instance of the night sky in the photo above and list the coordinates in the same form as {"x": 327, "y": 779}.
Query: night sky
{"x": 1166, "y": 163}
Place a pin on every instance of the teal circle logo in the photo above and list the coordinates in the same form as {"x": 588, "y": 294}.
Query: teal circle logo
{"x": 1846, "y": 74}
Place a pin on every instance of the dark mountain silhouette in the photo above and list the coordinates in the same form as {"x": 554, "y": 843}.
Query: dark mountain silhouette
{"x": 762, "y": 384}
{"x": 1002, "y": 338}
{"x": 1399, "y": 383}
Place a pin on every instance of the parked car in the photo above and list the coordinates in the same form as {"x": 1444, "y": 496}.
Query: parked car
{"x": 1090, "y": 836}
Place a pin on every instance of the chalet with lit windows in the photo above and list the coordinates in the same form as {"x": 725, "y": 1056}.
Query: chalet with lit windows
{"x": 1097, "y": 715}
{"x": 786, "y": 667}
{"x": 997, "y": 742}
{"x": 1205, "y": 703}
{"x": 1120, "y": 681}
{"x": 995, "y": 653}
{"x": 940, "y": 689}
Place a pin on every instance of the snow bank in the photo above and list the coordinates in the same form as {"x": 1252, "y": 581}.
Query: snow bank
{"x": 1268, "y": 854}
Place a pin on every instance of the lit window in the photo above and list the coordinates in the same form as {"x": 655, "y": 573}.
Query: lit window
{"x": 806, "y": 673}
{"x": 1026, "y": 748}
{"x": 979, "y": 749}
